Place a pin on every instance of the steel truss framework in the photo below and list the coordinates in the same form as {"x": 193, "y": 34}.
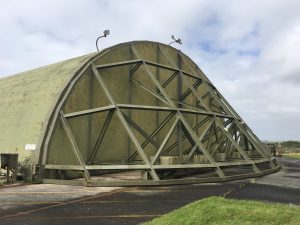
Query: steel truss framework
{"x": 222, "y": 129}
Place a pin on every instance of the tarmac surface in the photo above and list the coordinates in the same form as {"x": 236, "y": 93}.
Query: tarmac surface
{"x": 61, "y": 204}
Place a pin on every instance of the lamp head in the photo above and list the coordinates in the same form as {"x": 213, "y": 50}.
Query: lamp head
{"x": 175, "y": 40}
{"x": 106, "y": 32}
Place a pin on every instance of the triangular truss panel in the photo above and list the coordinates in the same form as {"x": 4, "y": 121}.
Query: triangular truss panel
{"x": 142, "y": 113}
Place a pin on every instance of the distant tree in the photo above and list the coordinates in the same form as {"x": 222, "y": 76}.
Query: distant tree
{"x": 291, "y": 144}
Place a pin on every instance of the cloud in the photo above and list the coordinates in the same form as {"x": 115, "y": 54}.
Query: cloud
{"x": 249, "y": 49}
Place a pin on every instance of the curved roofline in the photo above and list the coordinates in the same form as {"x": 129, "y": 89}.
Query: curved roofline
{"x": 53, "y": 112}
{"x": 40, "y": 67}
{"x": 50, "y": 114}
{"x": 95, "y": 55}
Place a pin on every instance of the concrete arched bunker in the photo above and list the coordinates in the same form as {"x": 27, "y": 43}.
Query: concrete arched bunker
{"x": 142, "y": 110}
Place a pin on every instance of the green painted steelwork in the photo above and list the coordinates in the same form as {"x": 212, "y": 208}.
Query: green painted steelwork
{"x": 135, "y": 106}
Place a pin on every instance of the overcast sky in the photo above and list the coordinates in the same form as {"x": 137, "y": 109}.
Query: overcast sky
{"x": 249, "y": 49}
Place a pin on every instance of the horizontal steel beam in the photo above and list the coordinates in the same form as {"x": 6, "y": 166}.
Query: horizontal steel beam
{"x": 122, "y": 63}
{"x": 120, "y": 183}
{"x": 145, "y": 167}
{"x": 202, "y": 112}
{"x": 89, "y": 111}
{"x": 144, "y": 107}
{"x": 163, "y": 108}
{"x": 63, "y": 167}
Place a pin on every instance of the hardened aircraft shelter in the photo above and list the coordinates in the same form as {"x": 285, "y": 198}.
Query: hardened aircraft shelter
{"x": 137, "y": 113}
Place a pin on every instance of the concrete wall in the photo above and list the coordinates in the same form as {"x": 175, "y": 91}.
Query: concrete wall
{"x": 26, "y": 101}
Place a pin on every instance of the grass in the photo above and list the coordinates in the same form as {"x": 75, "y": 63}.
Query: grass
{"x": 220, "y": 211}
{"x": 292, "y": 155}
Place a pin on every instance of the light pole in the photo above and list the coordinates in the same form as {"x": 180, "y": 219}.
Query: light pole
{"x": 105, "y": 33}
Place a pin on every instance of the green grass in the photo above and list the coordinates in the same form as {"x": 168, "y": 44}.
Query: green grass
{"x": 292, "y": 155}
{"x": 220, "y": 211}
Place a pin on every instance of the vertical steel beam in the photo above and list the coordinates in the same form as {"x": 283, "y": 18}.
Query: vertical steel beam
{"x": 179, "y": 95}
{"x": 158, "y": 78}
{"x": 90, "y": 102}
{"x": 129, "y": 98}
{"x": 179, "y": 134}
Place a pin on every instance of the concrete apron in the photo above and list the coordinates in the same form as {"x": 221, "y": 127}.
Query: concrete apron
{"x": 288, "y": 176}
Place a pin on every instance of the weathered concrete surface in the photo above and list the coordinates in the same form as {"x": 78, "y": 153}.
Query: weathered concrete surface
{"x": 20, "y": 196}
{"x": 55, "y": 205}
{"x": 26, "y": 100}
{"x": 288, "y": 176}
{"x": 136, "y": 205}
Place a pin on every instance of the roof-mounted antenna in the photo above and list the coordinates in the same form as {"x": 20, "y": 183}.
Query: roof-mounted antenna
{"x": 105, "y": 33}
{"x": 175, "y": 40}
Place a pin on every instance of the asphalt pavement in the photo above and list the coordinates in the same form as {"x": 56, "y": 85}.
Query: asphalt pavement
{"x": 135, "y": 205}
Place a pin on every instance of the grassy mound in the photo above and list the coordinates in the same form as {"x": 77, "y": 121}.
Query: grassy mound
{"x": 220, "y": 211}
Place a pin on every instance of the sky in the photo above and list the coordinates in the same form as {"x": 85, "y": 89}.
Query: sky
{"x": 250, "y": 50}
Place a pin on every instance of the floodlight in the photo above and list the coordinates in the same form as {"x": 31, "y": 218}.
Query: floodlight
{"x": 105, "y": 33}
{"x": 175, "y": 40}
